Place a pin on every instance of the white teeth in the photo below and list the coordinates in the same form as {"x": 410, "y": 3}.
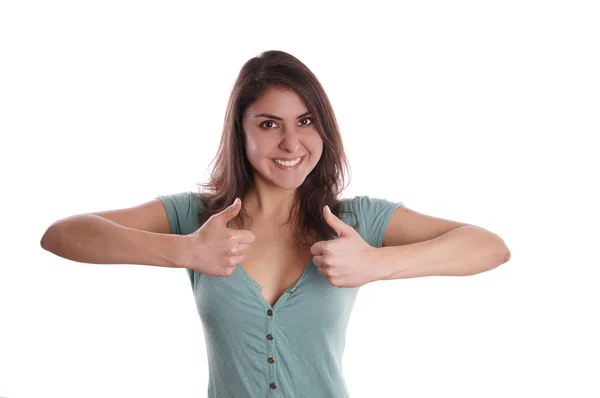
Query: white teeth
{"x": 288, "y": 163}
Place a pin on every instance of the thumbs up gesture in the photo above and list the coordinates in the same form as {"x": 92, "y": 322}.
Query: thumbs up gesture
{"x": 347, "y": 261}
{"x": 214, "y": 249}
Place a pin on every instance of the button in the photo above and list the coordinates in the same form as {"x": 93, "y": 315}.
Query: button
{"x": 271, "y": 360}
{"x": 269, "y": 336}
{"x": 270, "y": 312}
{"x": 273, "y": 386}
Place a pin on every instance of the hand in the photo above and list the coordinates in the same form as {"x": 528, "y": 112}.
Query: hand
{"x": 214, "y": 249}
{"x": 347, "y": 261}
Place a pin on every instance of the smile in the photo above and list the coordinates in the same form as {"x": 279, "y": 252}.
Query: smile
{"x": 288, "y": 165}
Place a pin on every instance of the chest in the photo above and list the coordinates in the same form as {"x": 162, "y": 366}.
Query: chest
{"x": 275, "y": 264}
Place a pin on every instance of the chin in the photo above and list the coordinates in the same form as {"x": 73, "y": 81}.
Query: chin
{"x": 290, "y": 187}
{"x": 288, "y": 184}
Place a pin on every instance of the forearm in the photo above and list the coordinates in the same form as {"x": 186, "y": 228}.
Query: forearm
{"x": 88, "y": 238}
{"x": 463, "y": 251}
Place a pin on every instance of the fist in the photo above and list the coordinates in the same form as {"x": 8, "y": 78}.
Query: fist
{"x": 214, "y": 249}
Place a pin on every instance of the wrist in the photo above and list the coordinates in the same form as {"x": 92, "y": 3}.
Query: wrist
{"x": 383, "y": 268}
{"x": 170, "y": 249}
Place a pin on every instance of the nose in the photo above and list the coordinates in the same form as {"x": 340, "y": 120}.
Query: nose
{"x": 290, "y": 141}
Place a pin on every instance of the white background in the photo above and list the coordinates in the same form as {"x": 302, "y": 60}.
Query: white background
{"x": 479, "y": 112}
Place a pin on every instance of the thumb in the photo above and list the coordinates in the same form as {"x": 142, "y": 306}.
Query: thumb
{"x": 340, "y": 227}
{"x": 229, "y": 212}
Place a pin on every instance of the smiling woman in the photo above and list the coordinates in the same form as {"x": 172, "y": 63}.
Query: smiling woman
{"x": 281, "y": 153}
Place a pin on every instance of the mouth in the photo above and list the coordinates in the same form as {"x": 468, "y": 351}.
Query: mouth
{"x": 291, "y": 165}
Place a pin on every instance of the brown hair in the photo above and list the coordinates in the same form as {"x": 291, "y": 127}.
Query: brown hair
{"x": 231, "y": 176}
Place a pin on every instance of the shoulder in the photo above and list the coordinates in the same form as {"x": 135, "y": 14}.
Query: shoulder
{"x": 368, "y": 205}
{"x": 372, "y": 214}
{"x": 188, "y": 198}
{"x": 182, "y": 209}
{"x": 186, "y": 202}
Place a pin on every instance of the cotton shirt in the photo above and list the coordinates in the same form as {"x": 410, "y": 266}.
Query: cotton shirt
{"x": 292, "y": 349}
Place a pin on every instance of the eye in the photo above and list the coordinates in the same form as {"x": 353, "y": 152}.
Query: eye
{"x": 262, "y": 125}
{"x": 307, "y": 118}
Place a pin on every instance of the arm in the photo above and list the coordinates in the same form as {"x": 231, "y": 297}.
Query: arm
{"x": 466, "y": 250}
{"x": 88, "y": 238}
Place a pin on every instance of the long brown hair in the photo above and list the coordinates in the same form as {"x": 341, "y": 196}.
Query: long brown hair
{"x": 232, "y": 174}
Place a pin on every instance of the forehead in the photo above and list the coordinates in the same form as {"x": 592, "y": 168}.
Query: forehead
{"x": 279, "y": 101}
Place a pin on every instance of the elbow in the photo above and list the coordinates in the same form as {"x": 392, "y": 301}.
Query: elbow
{"x": 506, "y": 252}
{"x": 503, "y": 248}
{"x": 49, "y": 238}
{"x": 45, "y": 238}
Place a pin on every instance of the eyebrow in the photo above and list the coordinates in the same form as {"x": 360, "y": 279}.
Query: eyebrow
{"x": 278, "y": 118}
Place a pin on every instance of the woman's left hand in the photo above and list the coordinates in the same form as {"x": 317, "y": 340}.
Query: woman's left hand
{"x": 347, "y": 261}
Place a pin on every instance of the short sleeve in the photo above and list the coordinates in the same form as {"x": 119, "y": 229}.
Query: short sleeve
{"x": 373, "y": 216}
{"x": 182, "y": 211}
{"x": 181, "y": 208}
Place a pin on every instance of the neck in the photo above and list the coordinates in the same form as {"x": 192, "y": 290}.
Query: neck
{"x": 269, "y": 203}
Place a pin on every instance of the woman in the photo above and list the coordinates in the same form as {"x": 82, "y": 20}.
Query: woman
{"x": 274, "y": 256}
{"x": 273, "y": 322}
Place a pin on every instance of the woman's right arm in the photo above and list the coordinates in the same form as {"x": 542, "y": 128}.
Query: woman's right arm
{"x": 138, "y": 235}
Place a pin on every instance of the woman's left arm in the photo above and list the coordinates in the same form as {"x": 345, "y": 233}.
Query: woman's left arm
{"x": 464, "y": 250}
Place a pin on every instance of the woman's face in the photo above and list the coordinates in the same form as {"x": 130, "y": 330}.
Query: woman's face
{"x": 278, "y": 126}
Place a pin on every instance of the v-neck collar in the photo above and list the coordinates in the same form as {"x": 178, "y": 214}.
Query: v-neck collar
{"x": 257, "y": 288}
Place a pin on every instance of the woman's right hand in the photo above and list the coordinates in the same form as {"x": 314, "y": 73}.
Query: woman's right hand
{"x": 214, "y": 249}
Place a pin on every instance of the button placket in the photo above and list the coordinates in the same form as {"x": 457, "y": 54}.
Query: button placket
{"x": 271, "y": 350}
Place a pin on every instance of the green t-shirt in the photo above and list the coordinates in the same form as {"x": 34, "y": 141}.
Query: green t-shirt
{"x": 292, "y": 349}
